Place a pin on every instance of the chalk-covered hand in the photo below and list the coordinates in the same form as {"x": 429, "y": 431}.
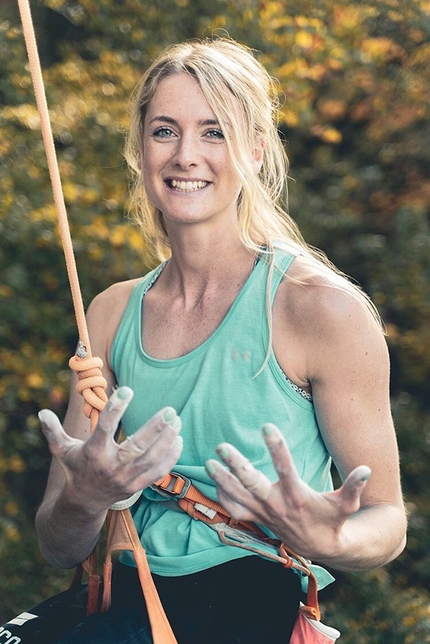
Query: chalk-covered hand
{"x": 100, "y": 470}
{"x": 307, "y": 521}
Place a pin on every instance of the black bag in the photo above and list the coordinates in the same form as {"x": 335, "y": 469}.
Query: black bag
{"x": 48, "y": 621}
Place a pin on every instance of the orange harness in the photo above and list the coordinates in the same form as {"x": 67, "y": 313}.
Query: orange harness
{"x": 240, "y": 534}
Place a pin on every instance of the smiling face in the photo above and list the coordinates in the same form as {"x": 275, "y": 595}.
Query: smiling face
{"x": 187, "y": 170}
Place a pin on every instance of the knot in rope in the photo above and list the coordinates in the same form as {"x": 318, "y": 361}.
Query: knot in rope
{"x": 91, "y": 384}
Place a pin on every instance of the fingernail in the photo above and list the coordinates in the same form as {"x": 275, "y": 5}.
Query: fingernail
{"x": 268, "y": 429}
{"x": 223, "y": 451}
{"x": 44, "y": 415}
{"x": 118, "y": 398}
{"x": 169, "y": 414}
{"x": 210, "y": 467}
{"x": 41, "y": 416}
{"x": 177, "y": 423}
{"x": 124, "y": 393}
{"x": 365, "y": 477}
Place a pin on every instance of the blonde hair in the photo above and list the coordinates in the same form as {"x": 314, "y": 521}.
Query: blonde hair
{"x": 244, "y": 99}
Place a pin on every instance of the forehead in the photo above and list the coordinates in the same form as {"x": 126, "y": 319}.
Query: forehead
{"x": 181, "y": 95}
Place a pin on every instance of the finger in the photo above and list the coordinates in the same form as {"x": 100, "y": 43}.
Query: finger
{"x": 235, "y": 502}
{"x": 281, "y": 457}
{"x": 146, "y": 454}
{"x": 238, "y": 511}
{"x": 352, "y": 488}
{"x": 111, "y": 415}
{"x": 252, "y": 479}
{"x": 162, "y": 464}
{"x": 164, "y": 424}
{"x": 128, "y": 451}
{"x": 58, "y": 441}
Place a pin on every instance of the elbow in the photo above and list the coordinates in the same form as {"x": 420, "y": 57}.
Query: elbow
{"x": 58, "y": 560}
{"x": 399, "y": 549}
{"x": 398, "y": 538}
{"x": 51, "y": 549}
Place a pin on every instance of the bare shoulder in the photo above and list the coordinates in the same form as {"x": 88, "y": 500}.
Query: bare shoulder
{"x": 105, "y": 313}
{"x": 320, "y": 319}
{"x": 115, "y": 297}
{"x": 323, "y": 302}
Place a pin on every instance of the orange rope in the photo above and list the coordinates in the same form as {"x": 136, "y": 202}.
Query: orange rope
{"x": 48, "y": 140}
{"x": 91, "y": 384}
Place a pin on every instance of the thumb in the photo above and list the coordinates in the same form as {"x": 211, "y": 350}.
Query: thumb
{"x": 352, "y": 488}
{"x": 58, "y": 441}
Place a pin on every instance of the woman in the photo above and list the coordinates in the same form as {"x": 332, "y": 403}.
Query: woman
{"x": 240, "y": 327}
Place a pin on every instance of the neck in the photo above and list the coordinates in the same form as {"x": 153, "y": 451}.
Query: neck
{"x": 201, "y": 266}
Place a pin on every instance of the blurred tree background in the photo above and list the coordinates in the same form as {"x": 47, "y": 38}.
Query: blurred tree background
{"x": 354, "y": 80}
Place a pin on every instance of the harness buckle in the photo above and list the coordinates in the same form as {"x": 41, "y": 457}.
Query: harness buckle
{"x": 177, "y": 487}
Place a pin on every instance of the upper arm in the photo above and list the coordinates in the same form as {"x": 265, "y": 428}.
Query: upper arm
{"x": 341, "y": 352}
{"x": 349, "y": 372}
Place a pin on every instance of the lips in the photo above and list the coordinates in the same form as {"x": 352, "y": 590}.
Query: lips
{"x": 186, "y": 186}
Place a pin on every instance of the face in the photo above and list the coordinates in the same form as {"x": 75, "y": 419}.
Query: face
{"x": 187, "y": 170}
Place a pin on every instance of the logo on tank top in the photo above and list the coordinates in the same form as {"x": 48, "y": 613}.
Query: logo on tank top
{"x": 237, "y": 355}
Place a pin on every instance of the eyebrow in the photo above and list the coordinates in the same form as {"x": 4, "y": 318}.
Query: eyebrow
{"x": 171, "y": 121}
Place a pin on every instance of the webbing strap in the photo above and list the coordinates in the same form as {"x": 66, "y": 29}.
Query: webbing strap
{"x": 188, "y": 496}
{"x": 199, "y": 506}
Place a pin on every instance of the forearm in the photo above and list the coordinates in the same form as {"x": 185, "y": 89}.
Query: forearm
{"x": 372, "y": 537}
{"x": 67, "y": 532}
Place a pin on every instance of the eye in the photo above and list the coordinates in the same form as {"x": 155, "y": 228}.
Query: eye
{"x": 215, "y": 133}
{"x": 163, "y": 132}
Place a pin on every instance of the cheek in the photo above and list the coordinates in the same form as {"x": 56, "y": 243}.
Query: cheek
{"x": 149, "y": 180}
{"x": 150, "y": 168}
{"x": 154, "y": 158}
{"x": 150, "y": 187}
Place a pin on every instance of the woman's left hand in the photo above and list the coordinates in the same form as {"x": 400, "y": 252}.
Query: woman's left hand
{"x": 309, "y": 522}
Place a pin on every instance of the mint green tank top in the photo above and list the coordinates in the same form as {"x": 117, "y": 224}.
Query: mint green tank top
{"x": 214, "y": 390}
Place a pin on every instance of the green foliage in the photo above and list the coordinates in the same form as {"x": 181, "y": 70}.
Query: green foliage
{"x": 372, "y": 610}
{"x": 354, "y": 81}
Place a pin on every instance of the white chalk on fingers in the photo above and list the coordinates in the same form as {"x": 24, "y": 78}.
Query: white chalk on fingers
{"x": 52, "y": 428}
{"x": 119, "y": 398}
{"x": 170, "y": 418}
{"x": 254, "y": 481}
{"x": 58, "y": 441}
{"x": 361, "y": 474}
{"x": 46, "y": 416}
{"x": 272, "y": 435}
{"x": 128, "y": 450}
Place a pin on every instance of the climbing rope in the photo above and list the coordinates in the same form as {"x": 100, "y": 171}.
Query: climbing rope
{"x": 92, "y": 384}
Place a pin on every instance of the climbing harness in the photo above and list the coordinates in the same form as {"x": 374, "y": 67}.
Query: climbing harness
{"x": 240, "y": 534}
{"x": 121, "y": 530}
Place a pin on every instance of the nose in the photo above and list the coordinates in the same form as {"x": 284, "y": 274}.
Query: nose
{"x": 186, "y": 152}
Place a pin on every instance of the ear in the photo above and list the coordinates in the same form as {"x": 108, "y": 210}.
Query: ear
{"x": 258, "y": 155}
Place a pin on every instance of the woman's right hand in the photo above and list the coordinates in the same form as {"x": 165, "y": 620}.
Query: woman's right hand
{"x": 99, "y": 472}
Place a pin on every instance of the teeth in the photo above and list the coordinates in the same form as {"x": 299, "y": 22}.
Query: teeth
{"x": 188, "y": 186}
